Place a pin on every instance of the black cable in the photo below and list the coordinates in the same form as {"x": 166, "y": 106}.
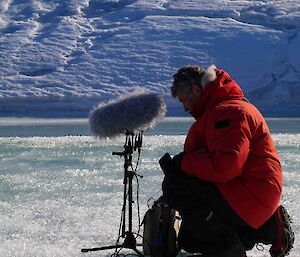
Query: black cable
{"x": 149, "y": 246}
{"x": 259, "y": 247}
{"x": 121, "y": 220}
{"x": 134, "y": 170}
{"x": 117, "y": 253}
{"x": 122, "y": 254}
{"x": 120, "y": 228}
{"x": 117, "y": 247}
{"x": 138, "y": 205}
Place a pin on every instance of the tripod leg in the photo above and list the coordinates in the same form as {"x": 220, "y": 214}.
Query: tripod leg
{"x": 124, "y": 207}
{"x": 85, "y": 250}
{"x": 138, "y": 252}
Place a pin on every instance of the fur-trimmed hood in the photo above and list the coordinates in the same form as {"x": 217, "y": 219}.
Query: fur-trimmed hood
{"x": 209, "y": 75}
{"x": 218, "y": 86}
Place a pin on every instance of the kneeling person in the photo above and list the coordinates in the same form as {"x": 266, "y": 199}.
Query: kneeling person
{"x": 227, "y": 182}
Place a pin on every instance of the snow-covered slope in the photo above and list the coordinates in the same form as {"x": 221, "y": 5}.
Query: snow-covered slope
{"x": 60, "y": 58}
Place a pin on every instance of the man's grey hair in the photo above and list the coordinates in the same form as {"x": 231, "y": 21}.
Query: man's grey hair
{"x": 186, "y": 77}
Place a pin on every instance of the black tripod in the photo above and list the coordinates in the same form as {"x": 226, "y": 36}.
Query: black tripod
{"x": 132, "y": 143}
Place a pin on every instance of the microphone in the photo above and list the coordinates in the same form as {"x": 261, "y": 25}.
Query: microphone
{"x": 136, "y": 111}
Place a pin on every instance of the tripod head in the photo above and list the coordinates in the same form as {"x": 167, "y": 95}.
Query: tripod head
{"x": 133, "y": 142}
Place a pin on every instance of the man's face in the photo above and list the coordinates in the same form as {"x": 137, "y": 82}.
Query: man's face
{"x": 189, "y": 100}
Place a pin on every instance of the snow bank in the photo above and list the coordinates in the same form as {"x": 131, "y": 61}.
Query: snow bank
{"x": 60, "y": 58}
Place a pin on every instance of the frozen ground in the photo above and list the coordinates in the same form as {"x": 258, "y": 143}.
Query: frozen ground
{"x": 59, "y": 58}
{"x": 59, "y": 194}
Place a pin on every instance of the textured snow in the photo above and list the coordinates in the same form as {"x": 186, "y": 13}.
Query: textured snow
{"x": 61, "y": 193}
{"x": 61, "y": 58}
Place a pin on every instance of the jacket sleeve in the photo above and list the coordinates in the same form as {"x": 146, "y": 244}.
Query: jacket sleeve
{"x": 228, "y": 138}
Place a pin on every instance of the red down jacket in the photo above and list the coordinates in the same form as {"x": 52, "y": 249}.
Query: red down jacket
{"x": 230, "y": 145}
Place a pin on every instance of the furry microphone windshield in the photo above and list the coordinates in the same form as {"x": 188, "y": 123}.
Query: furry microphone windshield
{"x": 136, "y": 111}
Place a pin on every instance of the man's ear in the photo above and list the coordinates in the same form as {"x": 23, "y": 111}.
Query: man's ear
{"x": 196, "y": 90}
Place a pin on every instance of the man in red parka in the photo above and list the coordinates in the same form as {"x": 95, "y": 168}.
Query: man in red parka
{"x": 227, "y": 182}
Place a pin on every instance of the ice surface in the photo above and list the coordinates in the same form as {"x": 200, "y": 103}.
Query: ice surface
{"x": 59, "y": 194}
{"x": 61, "y": 58}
